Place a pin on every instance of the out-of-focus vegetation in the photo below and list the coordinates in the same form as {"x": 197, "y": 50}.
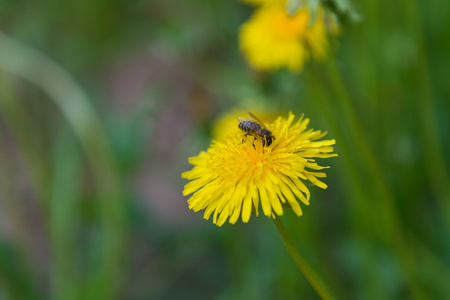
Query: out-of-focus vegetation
{"x": 102, "y": 102}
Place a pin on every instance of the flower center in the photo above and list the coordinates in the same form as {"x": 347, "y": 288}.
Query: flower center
{"x": 290, "y": 27}
{"x": 256, "y": 158}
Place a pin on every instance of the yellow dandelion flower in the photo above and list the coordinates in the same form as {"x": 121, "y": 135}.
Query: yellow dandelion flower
{"x": 264, "y": 2}
{"x": 237, "y": 175}
{"x": 273, "y": 39}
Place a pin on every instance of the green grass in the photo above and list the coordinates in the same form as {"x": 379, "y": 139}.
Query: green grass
{"x": 101, "y": 104}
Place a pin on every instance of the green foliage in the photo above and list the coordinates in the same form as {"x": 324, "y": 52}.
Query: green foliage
{"x": 102, "y": 102}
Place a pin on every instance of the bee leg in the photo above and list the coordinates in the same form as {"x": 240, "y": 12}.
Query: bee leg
{"x": 264, "y": 144}
{"x": 244, "y": 139}
{"x": 246, "y": 135}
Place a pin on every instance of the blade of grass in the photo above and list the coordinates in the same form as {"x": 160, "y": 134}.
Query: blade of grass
{"x": 104, "y": 279}
{"x": 389, "y": 226}
{"x": 362, "y": 218}
{"x": 435, "y": 167}
{"x": 64, "y": 219}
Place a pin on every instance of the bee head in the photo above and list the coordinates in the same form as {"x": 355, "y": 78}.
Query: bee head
{"x": 270, "y": 140}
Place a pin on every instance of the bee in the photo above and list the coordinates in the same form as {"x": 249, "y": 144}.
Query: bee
{"x": 255, "y": 127}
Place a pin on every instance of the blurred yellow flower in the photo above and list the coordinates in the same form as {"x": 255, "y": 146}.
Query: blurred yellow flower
{"x": 263, "y": 2}
{"x": 273, "y": 39}
{"x": 227, "y": 123}
{"x": 237, "y": 174}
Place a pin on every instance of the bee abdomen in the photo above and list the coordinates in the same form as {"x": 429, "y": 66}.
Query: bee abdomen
{"x": 249, "y": 126}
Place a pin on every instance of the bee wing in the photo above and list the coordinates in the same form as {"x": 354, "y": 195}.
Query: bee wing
{"x": 255, "y": 118}
{"x": 240, "y": 119}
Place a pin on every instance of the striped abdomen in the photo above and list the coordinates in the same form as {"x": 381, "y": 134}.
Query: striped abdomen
{"x": 250, "y": 127}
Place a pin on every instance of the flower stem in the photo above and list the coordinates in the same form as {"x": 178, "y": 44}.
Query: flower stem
{"x": 390, "y": 225}
{"x": 314, "y": 279}
{"x": 427, "y": 119}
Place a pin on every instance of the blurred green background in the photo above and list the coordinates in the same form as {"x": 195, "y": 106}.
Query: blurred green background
{"x": 102, "y": 102}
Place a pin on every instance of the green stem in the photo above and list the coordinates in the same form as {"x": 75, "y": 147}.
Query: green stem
{"x": 435, "y": 168}
{"x": 314, "y": 279}
{"x": 367, "y": 156}
{"x": 356, "y": 191}
{"x": 390, "y": 225}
